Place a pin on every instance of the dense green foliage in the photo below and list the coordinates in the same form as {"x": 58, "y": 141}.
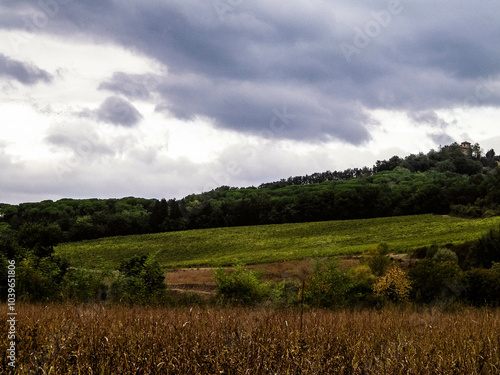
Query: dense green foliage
{"x": 440, "y": 182}
{"x": 327, "y": 286}
{"x": 244, "y": 287}
{"x": 436, "y": 280}
{"x": 268, "y": 243}
{"x": 442, "y": 277}
{"x": 322, "y": 215}
{"x": 41, "y": 275}
{"x": 141, "y": 280}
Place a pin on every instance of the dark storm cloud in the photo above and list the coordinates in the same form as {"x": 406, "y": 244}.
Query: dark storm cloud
{"x": 237, "y": 64}
{"x": 23, "y": 72}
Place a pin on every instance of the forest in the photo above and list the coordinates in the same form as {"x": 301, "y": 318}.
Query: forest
{"x": 447, "y": 181}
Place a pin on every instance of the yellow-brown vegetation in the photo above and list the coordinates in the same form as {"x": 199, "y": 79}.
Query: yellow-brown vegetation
{"x": 69, "y": 339}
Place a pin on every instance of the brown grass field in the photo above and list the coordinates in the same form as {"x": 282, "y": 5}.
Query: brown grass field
{"x": 201, "y": 280}
{"x": 70, "y": 339}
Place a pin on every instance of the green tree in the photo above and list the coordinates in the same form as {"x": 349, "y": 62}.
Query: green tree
{"x": 483, "y": 287}
{"x": 239, "y": 286}
{"x": 328, "y": 286}
{"x": 141, "y": 280}
{"x": 377, "y": 259}
{"x": 40, "y": 238}
{"x": 486, "y": 250}
{"x": 436, "y": 281}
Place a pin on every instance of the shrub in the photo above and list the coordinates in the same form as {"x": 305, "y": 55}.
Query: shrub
{"x": 239, "y": 286}
{"x": 495, "y": 267}
{"x": 395, "y": 286}
{"x": 363, "y": 280}
{"x": 378, "y": 259}
{"x": 431, "y": 251}
{"x": 436, "y": 281}
{"x": 141, "y": 280}
{"x": 445, "y": 255}
{"x": 486, "y": 250}
{"x": 483, "y": 287}
{"x": 83, "y": 285}
{"x": 40, "y": 279}
{"x": 327, "y": 286}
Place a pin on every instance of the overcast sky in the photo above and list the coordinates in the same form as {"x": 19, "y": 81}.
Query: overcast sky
{"x": 163, "y": 98}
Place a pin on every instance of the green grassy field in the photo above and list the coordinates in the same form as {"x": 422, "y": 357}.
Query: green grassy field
{"x": 271, "y": 243}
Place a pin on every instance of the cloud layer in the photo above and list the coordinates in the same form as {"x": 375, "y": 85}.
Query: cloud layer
{"x": 266, "y": 88}
{"x": 238, "y": 63}
{"x": 23, "y": 72}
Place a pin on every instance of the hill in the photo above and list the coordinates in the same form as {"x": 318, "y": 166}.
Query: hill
{"x": 270, "y": 243}
{"x": 448, "y": 181}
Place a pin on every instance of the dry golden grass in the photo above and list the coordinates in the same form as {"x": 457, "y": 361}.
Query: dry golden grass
{"x": 67, "y": 339}
{"x": 203, "y": 278}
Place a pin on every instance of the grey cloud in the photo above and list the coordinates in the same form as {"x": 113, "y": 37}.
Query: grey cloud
{"x": 84, "y": 143}
{"x": 262, "y": 109}
{"x": 259, "y": 56}
{"x": 441, "y": 138}
{"x": 428, "y": 118}
{"x": 118, "y": 111}
{"x": 133, "y": 86}
{"x": 23, "y": 72}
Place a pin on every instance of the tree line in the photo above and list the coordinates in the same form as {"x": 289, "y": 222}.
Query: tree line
{"x": 447, "y": 181}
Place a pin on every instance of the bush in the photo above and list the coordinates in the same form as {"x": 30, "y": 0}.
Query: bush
{"x": 240, "y": 286}
{"x": 483, "y": 287}
{"x": 141, "y": 280}
{"x": 327, "y": 286}
{"x": 445, "y": 255}
{"x": 436, "y": 281}
{"x": 431, "y": 251}
{"x": 83, "y": 285}
{"x": 495, "y": 267}
{"x": 378, "y": 259}
{"x": 486, "y": 250}
{"x": 395, "y": 286}
{"x": 40, "y": 279}
{"x": 363, "y": 280}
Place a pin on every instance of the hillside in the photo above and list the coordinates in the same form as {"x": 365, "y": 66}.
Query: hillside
{"x": 270, "y": 243}
{"x": 447, "y": 181}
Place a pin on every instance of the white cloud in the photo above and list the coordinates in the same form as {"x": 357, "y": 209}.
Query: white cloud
{"x": 211, "y": 92}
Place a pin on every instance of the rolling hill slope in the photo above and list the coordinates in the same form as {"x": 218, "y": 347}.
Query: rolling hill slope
{"x": 270, "y": 243}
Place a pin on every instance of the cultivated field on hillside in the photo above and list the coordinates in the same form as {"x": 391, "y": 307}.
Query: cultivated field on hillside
{"x": 271, "y": 243}
{"x": 68, "y": 339}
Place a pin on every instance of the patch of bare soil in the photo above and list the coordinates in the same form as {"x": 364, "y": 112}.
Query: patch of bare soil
{"x": 201, "y": 280}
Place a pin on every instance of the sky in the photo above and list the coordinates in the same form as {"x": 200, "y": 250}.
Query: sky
{"x": 165, "y": 98}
